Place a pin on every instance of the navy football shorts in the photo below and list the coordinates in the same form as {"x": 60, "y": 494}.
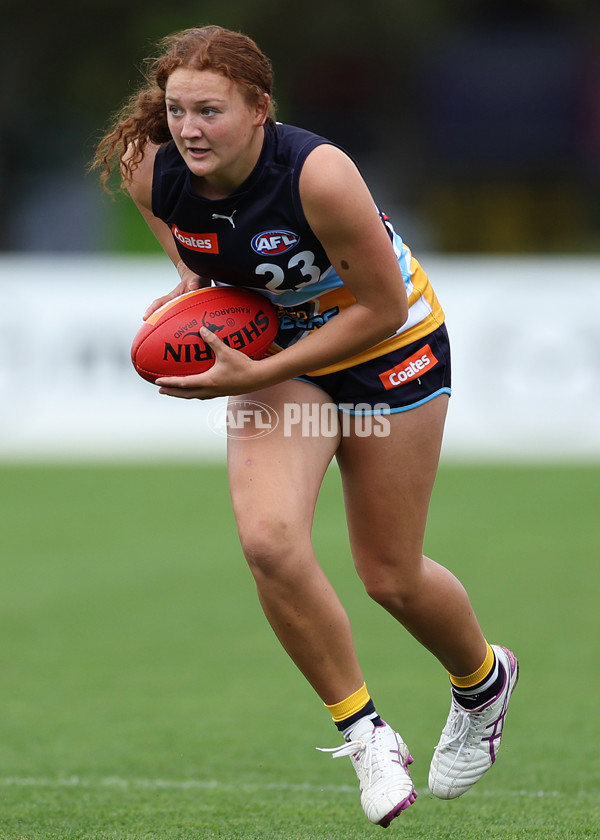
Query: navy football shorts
{"x": 400, "y": 380}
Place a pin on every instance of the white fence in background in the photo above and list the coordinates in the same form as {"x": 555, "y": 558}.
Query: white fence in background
{"x": 526, "y": 361}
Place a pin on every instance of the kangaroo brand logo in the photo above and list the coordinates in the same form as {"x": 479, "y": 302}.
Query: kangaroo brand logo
{"x": 205, "y": 242}
{"x": 274, "y": 242}
{"x": 189, "y": 350}
{"x": 181, "y": 331}
{"x": 243, "y": 419}
{"x": 413, "y": 367}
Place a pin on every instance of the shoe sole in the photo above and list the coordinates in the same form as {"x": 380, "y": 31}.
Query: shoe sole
{"x": 402, "y": 806}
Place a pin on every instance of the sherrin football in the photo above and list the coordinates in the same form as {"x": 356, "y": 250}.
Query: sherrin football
{"x": 169, "y": 344}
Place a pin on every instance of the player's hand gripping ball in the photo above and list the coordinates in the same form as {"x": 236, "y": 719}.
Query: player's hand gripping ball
{"x": 169, "y": 344}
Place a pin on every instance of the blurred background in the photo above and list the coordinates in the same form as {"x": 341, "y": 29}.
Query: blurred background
{"x": 476, "y": 124}
{"x": 131, "y": 635}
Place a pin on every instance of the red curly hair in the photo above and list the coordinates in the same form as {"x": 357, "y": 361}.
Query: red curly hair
{"x": 143, "y": 118}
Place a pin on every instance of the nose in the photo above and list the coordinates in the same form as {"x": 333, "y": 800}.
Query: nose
{"x": 190, "y": 128}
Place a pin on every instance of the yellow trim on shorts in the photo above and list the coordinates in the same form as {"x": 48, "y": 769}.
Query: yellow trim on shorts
{"x": 422, "y": 288}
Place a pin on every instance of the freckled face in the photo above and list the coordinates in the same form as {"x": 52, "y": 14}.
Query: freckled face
{"x": 218, "y": 134}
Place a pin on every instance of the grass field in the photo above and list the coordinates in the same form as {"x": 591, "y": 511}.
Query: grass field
{"x": 144, "y": 696}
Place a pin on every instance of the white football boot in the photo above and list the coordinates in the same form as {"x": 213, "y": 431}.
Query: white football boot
{"x": 380, "y": 758}
{"x": 470, "y": 740}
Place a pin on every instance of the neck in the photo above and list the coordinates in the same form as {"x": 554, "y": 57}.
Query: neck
{"x": 222, "y": 184}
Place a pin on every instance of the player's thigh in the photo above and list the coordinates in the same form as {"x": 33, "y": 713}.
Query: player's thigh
{"x": 387, "y": 483}
{"x": 275, "y": 477}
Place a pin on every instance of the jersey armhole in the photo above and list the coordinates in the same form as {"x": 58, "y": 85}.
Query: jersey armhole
{"x": 156, "y": 178}
{"x": 299, "y": 162}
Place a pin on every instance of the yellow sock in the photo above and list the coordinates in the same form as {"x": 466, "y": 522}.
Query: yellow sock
{"x": 477, "y": 676}
{"x": 351, "y": 705}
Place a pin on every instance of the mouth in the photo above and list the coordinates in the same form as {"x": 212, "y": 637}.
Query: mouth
{"x": 197, "y": 152}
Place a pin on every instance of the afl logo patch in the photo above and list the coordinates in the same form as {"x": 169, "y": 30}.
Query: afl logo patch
{"x": 274, "y": 242}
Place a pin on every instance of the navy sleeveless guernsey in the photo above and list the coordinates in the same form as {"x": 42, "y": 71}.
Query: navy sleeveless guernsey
{"x": 258, "y": 237}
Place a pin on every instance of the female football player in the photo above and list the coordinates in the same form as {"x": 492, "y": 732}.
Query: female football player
{"x": 236, "y": 198}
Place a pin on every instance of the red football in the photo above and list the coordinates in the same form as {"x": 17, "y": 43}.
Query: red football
{"x": 169, "y": 343}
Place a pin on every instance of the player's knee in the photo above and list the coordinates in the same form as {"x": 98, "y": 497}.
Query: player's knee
{"x": 392, "y": 585}
{"x": 264, "y": 545}
{"x": 384, "y": 595}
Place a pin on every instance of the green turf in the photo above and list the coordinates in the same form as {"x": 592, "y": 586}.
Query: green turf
{"x": 143, "y": 695}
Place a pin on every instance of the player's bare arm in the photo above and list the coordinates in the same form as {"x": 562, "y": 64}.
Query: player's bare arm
{"x": 139, "y": 187}
{"x": 343, "y": 215}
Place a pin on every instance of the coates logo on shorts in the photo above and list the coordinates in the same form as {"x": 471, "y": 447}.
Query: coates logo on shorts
{"x": 412, "y": 368}
{"x": 243, "y": 419}
{"x": 274, "y": 242}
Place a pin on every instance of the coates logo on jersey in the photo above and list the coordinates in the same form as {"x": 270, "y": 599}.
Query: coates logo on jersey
{"x": 274, "y": 242}
{"x": 416, "y": 365}
{"x": 205, "y": 242}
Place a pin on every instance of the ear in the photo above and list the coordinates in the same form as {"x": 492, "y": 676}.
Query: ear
{"x": 261, "y": 111}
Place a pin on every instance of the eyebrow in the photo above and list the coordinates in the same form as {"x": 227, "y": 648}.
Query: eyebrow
{"x": 198, "y": 102}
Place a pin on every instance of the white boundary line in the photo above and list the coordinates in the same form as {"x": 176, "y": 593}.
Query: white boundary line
{"x": 199, "y": 784}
